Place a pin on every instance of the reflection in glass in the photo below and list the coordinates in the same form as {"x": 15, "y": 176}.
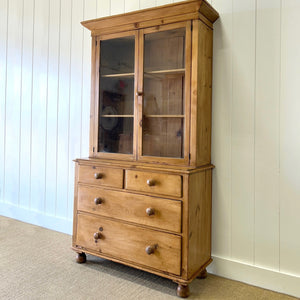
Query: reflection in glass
{"x": 116, "y": 98}
{"x": 163, "y": 101}
{"x": 163, "y": 137}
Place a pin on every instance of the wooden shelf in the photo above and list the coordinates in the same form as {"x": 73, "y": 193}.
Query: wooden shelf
{"x": 164, "y": 116}
{"x": 116, "y": 116}
{"x": 161, "y": 74}
{"x": 118, "y": 75}
{"x": 168, "y": 71}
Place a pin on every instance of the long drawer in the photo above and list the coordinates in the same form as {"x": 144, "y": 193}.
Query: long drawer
{"x": 101, "y": 176}
{"x": 150, "y": 211}
{"x": 146, "y": 247}
{"x": 152, "y": 182}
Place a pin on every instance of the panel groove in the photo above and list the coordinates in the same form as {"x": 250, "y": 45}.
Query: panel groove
{"x": 47, "y": 99}
{"x": 254, "y": 127}
{"x": 231, "y": 130}
{"x": 31, "y": 107}
{"x": 4, "y": 121}
{"x": 20, "y": 114}
{"x": 279, "y": 138}
{"x": 82, "y": 72}
{"x": 57, "y": 112}
{"x": 69, "y": 112}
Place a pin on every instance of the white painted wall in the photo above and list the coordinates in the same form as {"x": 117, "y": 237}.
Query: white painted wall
{"x": 44, "y": 124}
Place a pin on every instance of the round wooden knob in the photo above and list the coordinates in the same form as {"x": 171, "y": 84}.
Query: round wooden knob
{"x": 98, "y": 175}
{"x": 98, "y": 200}
{"x": 150, "y": 249}
{"x": 97, "y": 235}
{"x": 151, "y": 182}
{"x": 150, "y": 211}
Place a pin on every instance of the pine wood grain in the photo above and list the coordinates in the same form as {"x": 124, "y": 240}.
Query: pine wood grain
{"x": 131, "y": 207}
{"x": 164, "y": 184}
{"x": 109, "y": 176}
{"x": 130, "y": 242}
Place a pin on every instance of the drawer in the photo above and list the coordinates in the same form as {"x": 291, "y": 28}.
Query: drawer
{"x": 101, "y": 176}
{"x": 150, "y": 211}
{"x": 146, "y": 247}
{"x": 150, "y": 182}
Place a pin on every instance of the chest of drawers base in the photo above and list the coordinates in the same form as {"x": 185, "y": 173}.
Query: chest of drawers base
{"x": 150, "y": 218}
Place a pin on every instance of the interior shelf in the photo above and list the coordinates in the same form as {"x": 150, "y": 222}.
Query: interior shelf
{"x": 164, "y": 116}
{"x": 167, "y": 71}
{"x": 163, "y": 73}
{"x": 117, "y": 75}
{"x": 116, "y": 116}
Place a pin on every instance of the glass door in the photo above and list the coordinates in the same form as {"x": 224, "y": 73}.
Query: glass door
{"x": 115, "y": 132}
{"x": 164, "y": 105}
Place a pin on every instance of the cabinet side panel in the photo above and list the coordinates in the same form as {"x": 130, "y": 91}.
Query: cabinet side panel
{"x": 204, "y": 94}
{"x": 199, "y": 221}
{"x": 75, "y": 206}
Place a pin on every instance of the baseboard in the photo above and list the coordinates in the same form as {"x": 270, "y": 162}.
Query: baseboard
{"x": 264, "y": 278}
{"x": 36, "y": 218}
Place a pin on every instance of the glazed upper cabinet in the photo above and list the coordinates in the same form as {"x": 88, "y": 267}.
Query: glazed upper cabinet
{"x": 146, "y": 93}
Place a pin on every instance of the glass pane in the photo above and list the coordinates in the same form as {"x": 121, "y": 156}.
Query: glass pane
{"x": 163, "y": 106}
{"x": 165, "y": 50}
{"x": 116, "y": 99}
{"x": 163, "y": 137}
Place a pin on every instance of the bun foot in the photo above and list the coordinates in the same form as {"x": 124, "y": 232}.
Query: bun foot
{"x": 203, "y": 274}
{"x": 183, "y": 291}
{"x": 81, "y": 258}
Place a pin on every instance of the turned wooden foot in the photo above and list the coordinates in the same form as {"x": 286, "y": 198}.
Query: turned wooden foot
{"x": 81, "y": 258}
{"x": 203, "y": 274}
{"x": 183, "y": 291}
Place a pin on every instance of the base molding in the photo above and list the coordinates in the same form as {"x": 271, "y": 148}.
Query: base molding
{"x": 257, "y": 276}
{"x": 36, "y": 218}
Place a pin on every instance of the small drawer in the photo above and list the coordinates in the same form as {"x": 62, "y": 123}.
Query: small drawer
{"x": 150, "y": 182}
{"x": 101, "y": 176}
{"x": 149, "y": 211}
{"x": 158, "y": 250}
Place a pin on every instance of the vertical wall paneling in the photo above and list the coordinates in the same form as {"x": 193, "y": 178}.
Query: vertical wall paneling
{"x": 89, "y": 13}
{"x": 39, "y": 100}
{"x": 3, "y": 68}
{"x": 52, "y": 107}
{"x": 25, "y": 105}
{"x": 45, "y": 72}
{"x": 146, "y": 3}
{"x": 163, "y": 2}
{"x": 63, "y": 115}
{"x": 242, "y": 158}
{"x": 290, "y": 139}
{"x": 13, "y": 96}
{"x": 131, "y": 5}
{"x": 267, "y": 134}
{"x": 117, "y": 7}
{"x": 103, "y": 8}
{"x": 221, "y": 133}
{"x": 75, "y": 94}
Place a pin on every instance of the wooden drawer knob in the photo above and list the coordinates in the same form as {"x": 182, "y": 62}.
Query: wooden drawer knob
{"x": 98, "y": 200}
{"x": 150, "y": 211}
{"x": 150, "y": 249}
{"x": 98, "y": 175}
{"x": 151, "y": 182}
{"x": 97, "y": 235}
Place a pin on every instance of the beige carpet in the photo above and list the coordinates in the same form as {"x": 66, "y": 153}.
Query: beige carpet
{"x": 37, "y": 263}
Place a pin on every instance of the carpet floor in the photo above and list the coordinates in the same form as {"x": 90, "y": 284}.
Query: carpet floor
{"x": 37, "y": 263}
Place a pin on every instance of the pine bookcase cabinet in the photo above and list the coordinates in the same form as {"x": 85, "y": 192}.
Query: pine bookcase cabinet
{"x": 143, "y": 197}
